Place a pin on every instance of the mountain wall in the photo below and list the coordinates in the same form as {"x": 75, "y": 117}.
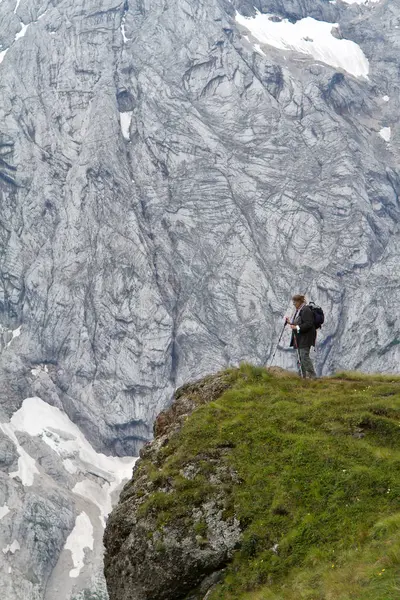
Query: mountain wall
{"x": 169, "y": 175}
{"x": 165, "y": 187}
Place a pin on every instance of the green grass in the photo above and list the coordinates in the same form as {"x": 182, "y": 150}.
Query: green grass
{"x": 318, "y": 465}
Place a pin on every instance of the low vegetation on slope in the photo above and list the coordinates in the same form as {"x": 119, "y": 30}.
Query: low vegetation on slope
{"x": 316, "y": 489}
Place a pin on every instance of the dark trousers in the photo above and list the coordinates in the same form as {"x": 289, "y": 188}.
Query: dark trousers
{"x": 307, "y": 368}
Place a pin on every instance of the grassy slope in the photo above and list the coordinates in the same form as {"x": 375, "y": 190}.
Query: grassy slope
{"x": 319, "y": 464}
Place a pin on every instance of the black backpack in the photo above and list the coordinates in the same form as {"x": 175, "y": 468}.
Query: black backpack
{"x": 318, "y": 315}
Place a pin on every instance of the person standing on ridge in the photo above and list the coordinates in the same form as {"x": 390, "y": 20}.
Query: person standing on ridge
{"x": 303, "y": 334}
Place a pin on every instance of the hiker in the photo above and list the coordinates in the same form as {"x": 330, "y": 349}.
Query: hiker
{"x": 303, "y": 334}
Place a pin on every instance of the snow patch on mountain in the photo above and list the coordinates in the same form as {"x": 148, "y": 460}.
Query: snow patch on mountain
{"x": 258, "y": 49}
{"x": 81, "y": 537}
{"x": 93, "y": 481}
{"x": 385, "y": 133}
{"x": 22, "y": 31}
{"x": 308, "y": 36}
{"x": 12, "y": 548}
{"x": 361, "y": 1}
{"x": 37, "y": 418}
{"x": 18, "y": 35}
{"x": 99, "y": 495}
{"x": 15, "y": 333}
{"x": 125, "y": 121}
{"x": 126, "y": 39}
{"x": 4, "y": 510}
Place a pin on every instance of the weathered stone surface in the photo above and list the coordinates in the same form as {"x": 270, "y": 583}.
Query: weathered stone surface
{"x": 133, "y": 265}
{"x": 145, "y": 560}
{"x": 164, "y": 188}
{"x": 8, "y": 453}
{"x": 47, "y": 481}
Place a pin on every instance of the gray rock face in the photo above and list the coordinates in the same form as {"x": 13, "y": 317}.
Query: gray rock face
{"x": 8, "y": 453}
{"x": 149, "y": 557}
{"x": 55, "y": 493}
{"x": 164, "y": 189}
{"x": 166, "y": 185}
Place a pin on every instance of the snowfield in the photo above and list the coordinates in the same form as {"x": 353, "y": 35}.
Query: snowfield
{"x": 308, "y": 36}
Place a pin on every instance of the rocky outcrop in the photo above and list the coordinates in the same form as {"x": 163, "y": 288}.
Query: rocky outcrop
{"x": 263, "y": 492}
{"x": 156, "y": 555}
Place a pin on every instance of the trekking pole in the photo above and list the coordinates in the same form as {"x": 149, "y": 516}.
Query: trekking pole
{"x": 299, "y": 368}
{"x": 276, "y": 348}
{"x": 280, "y": 337}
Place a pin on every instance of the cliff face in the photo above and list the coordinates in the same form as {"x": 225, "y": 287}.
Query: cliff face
{"x": 262, "y": 485}
{"x": 55, "y": 494}
{"x": 152, "y": 554}
{"x": 166, "y": 184}
{"x": 167, "y": 180}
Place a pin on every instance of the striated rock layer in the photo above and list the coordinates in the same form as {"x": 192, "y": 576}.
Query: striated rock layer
{"x": 167, "y": 180}
{"x": 165, "y": 187}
